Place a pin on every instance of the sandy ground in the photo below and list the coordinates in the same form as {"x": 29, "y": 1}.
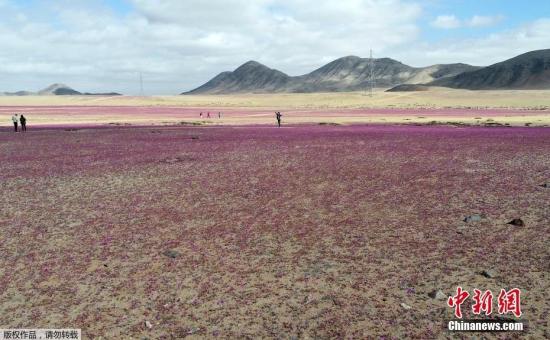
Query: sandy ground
{"x": 313, "y": 232}
{"x": 436, "y": 106}
{"x": 435, "y": 98}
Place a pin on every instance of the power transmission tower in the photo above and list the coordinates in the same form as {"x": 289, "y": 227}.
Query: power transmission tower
{"x": 371, "y": 74}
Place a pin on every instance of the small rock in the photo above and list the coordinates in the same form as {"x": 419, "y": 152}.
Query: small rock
{"x": 473, "y": 218}
{"x": 148, "y": 325}
{"x": 405, "y": 306}
{"x": 437, "y": 294}
{"x": 488, "y": 273}
{"x": 193, "y": 330}
{"x": 171, "y": 253}
{"x": 518, "y": 222}
{"x": 545, "y": 185}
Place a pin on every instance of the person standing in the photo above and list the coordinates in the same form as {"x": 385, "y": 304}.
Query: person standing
{"x": 15, "y": 121}
{"x": 208, "y": 115}
{"x": 201, "y": 115}
{"x": 278, "y": 115}
{"x": 219, "y": 115}
{"x": 23, "y": 122}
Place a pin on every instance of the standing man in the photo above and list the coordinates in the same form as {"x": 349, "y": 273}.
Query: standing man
{"x": 23, "y": 122}
{"x": 15, "y": 120}
{"x": 278, "y": 115}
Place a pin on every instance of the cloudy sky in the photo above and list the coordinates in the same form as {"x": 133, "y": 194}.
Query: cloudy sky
{"x": 103, "y": 45}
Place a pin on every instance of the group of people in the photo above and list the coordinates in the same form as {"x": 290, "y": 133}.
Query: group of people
{"x": 19, "y": 120}
{"x": 278, "y": 116}
{"x": 16, "y": 119}
{"x": 208, "y": 115}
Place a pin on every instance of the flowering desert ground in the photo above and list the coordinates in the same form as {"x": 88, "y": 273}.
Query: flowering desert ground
{"x": 131, "y": 218}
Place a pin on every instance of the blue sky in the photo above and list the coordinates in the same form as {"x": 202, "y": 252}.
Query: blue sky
{"x": 513, "y": 12}
{"x": 102, "y": 45}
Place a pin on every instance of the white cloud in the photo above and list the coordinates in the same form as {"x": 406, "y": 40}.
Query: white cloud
{"x": 179, "y": 45}
{"x": 484, "y": 50}
{"x": 446, "y": 22}
{"x": 483, "y": 21}
{"x": 451, "y": 21}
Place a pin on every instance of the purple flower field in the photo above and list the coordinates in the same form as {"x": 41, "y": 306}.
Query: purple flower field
{"x": 254, "y": 231}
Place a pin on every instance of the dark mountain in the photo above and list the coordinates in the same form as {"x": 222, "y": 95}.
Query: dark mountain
{"x": 18, "y": 93}
{"x": 345, "y": 74}
{"x": 102, "y": 94}
{"x": 409, "y": 88}
{"x": 249, "y": 77}
{"x": 527, "y": 71}
{"x": 58, "y": 90}
{"x": 352, "y": 73}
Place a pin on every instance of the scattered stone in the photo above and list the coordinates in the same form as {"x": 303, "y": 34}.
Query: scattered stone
{"x": 545, "y": 185}
{"x": 178, "y": 159}
{"x": 148, "y": 325}
{"x": 195, "y": 137}
{"x": 437, "y": 294}
{"x": 473, "y": 218}
{"x": 518, "y": 222}
{"x": 488, "y": 273}
{"x": 171, "y": 253}
{"x": 193, "y": 330}
{"x": 405, "y": 306}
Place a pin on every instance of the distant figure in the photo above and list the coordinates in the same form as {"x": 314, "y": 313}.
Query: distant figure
{"x": 200, "y": 115}
{"x": 15, "y": 120}
{"x": 219, "y": 115}
{"x": 208, "y": 115}
{"x": 23, "y": 122}
{"x": 278, "y": 115}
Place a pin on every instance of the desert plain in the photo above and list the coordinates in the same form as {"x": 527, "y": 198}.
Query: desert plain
{"x": 439, "y": 105}
{"x": 134, "y": 218}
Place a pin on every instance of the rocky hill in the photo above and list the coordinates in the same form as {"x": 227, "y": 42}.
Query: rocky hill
{"x": 527, "y": 71}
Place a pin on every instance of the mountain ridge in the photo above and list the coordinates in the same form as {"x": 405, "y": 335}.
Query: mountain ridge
{"x": 57, "y": 89}
{"x": 530, "y": 70}
{"x": 349, "y": 73}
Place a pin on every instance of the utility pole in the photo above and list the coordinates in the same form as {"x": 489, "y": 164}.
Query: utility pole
{"x": 371, "y": 74}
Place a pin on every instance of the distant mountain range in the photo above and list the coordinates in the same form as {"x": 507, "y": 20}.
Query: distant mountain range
{"x": 57, "y": 90}
{"x": 344, "y": 74}
{"x": 528, "y": 71}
